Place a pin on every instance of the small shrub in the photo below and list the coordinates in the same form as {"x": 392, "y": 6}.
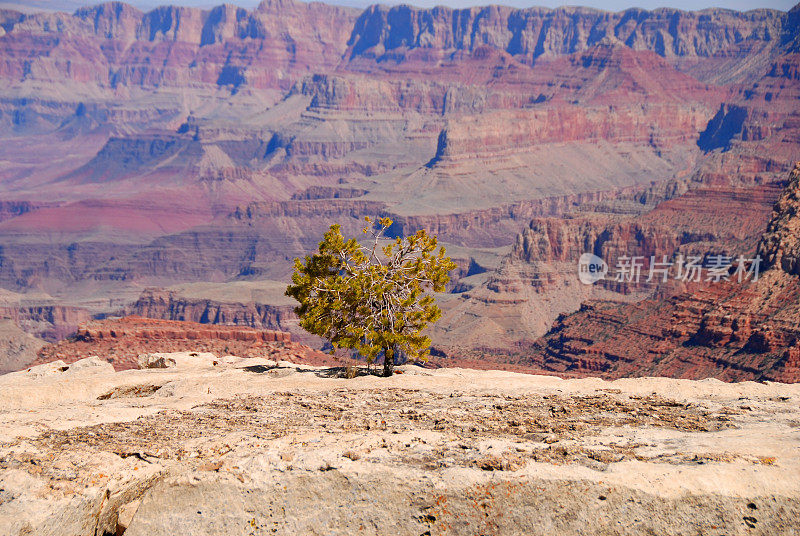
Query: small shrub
{"x": 374, "y": 298}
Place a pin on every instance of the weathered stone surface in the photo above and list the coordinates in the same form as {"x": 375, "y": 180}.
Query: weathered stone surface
{"x": 240, "y": 448}
{"x": 171, "y": 46}
{"x": 177, "y": 360}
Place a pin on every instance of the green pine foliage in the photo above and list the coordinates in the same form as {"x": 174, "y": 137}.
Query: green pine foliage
{"x": 375, "y": 298}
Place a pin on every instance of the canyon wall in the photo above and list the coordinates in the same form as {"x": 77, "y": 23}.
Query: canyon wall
{"x": 216, "y": 145}
{"x": 17, "y": 348}
{"x": 540, "y": 32}
{"x": 169, "y": 305}
{"x": 538, "y": 280}
{"x": 734, "y": 330}
{"x": 171, "y": 46}
{"x": 47, "y": 321}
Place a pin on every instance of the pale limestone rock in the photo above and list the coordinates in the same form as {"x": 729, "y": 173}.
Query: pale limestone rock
{"x": 177, "y": 360}
{"x": 125, "y": 516}
{"x": 47, "y": 369}
{"x": 90, "y": 365}
{"x": 87, "y": 366}
{"x": 451, "y": 451}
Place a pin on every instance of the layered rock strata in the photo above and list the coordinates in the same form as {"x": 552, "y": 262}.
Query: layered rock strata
{"x": 732, "y": 330}
{"x": 122, "y": 341}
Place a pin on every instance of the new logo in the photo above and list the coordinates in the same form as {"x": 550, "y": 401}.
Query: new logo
{"x": 591, "y": 269}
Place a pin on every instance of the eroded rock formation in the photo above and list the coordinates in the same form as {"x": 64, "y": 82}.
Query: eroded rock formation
{"x": 122, "y": 341}
{"x": 258, "y": 445}
{"x": 731, "y": 330}
{"x": 17, "y": 348}
{"x": 216, "y": 145}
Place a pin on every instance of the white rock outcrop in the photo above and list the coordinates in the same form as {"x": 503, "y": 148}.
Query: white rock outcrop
{"x": 177, "y": 360}
{"x": 264, "y": 447}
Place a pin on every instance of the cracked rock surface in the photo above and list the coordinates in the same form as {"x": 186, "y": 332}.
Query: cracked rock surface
{"x": 252, "y": 446}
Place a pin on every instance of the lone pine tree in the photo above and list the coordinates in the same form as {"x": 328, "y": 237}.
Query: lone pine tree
{"x": 373, "y": 298}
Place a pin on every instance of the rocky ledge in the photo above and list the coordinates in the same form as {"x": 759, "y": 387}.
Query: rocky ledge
{"x": 122, "y": 340}
{"x": 253, "y": 446}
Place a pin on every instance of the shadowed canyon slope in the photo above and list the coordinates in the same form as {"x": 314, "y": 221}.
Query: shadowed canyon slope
{"x": 200, "y": 150}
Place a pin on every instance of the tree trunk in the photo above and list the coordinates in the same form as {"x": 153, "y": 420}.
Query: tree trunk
{"x": 388, "y": 361}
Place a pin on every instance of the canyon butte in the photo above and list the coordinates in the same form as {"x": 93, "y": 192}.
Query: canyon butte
{"x": 172, "y": 163}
